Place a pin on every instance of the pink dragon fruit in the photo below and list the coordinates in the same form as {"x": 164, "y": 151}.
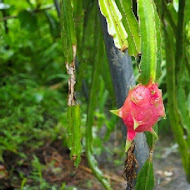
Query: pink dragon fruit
{"x": 141, "y": 110}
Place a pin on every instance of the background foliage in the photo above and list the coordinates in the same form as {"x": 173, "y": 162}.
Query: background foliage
{"x": 33, "y": 85}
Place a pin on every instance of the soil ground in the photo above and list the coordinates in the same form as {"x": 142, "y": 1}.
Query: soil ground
{"x": 169, "y": 174}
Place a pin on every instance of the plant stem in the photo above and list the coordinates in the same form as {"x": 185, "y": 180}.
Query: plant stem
{"x": 57, "y": 6}
{"x": 169, "y": 17}
{"x": 179, "y": 37}
{"x": 90, "y": 115}
{"x": 179, "y": 56}
{"x": 177, "y": 128}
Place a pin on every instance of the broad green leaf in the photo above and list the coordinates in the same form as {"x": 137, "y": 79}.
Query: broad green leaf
{"x": 150, "y": 40}
{"x": 74, "y": 133}
{"x": 28, "y": 20}
{"x": 145, "y": 178}
{"x": 131, "y": 26}
{"x": 67, "y": 30}
{"x": 115, "y": 26}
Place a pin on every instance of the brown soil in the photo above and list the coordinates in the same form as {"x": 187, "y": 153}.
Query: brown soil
{"x": 169, "y": 174}
{"x": 58, "y": 169}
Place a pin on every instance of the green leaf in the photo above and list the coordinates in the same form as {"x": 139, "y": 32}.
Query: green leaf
{"x": 67, "y": 30}
{"x": 115, "y": 26}
{"x": 151, "y": 138}
{"x": 58, "y": 76}
{"x": 150, "y": 41}
{"x": 53, "y": 24}
{"x": 187, "y": 12}
{"x": 74, "y": 133}
{"x": 28, "y": 20}
{"x": 131, "y": 26}
{"x": 145, "y": 178}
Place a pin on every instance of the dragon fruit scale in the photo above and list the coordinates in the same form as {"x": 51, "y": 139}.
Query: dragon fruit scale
{"x": 142, "y": 108}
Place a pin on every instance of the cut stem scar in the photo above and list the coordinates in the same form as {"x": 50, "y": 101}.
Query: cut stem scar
{"x": 72, "y": 80}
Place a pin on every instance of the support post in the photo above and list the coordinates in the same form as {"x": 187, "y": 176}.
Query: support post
{"x": 121, "y": 70}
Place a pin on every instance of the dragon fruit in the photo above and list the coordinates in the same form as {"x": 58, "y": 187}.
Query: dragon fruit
{"x": 142, "y": 108}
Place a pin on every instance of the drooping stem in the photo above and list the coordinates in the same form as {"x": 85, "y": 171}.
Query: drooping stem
{"x": 90, "y": 115}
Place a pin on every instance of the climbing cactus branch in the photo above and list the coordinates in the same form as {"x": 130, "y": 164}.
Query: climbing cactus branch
{"x": 172, "y": 102}
{"x": 180, "y": 36}
{"x": 73, "y": 111}
{"x": 150, "y": 41}
{"x": 131, "y": 26}
{"x": 115, "y": 27}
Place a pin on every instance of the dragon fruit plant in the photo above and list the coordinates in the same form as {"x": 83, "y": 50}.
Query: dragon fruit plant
{"x": 142, "y": 108}
{"x": 144, "y": 105}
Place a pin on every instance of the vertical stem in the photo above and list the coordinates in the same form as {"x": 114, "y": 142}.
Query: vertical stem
{"x": 57, "y": 6}
{"x": 180, "y": 36}
{"x": 90, "y": 116}
{"x": 172, "y": 69}
{"x": 177, "y": 128}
